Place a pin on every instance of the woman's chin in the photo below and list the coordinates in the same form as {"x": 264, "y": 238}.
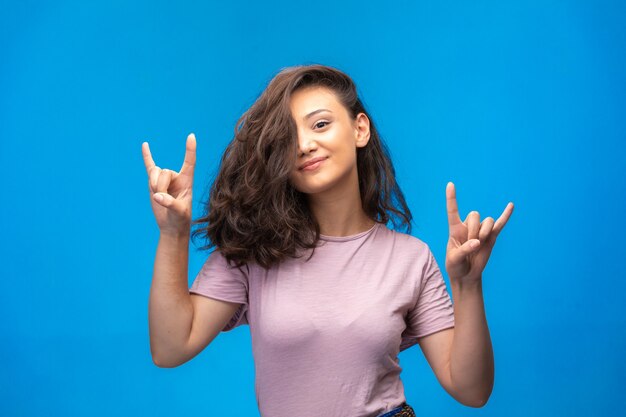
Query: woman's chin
{"x": 312, "y": 190}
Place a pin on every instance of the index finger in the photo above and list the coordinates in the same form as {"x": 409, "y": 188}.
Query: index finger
{"x": 147, "y": 157}
{"x": 190, "y": 156}
{"x": 451, "y": 205}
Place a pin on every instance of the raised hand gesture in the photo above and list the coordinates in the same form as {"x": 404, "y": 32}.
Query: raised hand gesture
{"x": 470, "y": 242}
{"x": 170, "y": 191}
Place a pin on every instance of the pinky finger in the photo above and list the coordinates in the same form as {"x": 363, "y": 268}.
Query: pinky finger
{"x": 504, "y": 217}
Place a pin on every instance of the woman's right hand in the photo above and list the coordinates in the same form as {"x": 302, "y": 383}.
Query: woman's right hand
{"x": 170, "y": 191}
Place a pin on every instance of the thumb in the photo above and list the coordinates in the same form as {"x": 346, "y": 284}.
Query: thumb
{"x": 466, "y": 249}
{"x": 164, "y": 199}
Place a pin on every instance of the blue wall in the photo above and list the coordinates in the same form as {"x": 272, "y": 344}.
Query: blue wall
{"x": 513, "y": 101}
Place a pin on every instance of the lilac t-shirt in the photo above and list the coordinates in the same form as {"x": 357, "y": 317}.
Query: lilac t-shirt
{"x": 326, "y": 333}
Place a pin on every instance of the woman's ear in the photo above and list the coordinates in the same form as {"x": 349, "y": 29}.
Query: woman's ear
{"x": 362, "y": 130}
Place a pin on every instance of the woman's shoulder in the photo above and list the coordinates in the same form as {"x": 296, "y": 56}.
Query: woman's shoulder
{"x": 405, "y": 240}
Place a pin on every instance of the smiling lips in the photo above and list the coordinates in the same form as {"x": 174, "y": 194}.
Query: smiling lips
{"x": 312, "y": 164}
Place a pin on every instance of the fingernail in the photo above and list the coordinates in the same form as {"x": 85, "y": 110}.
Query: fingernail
{"x": 475, "y": 243}
{"x": 158, "y": 197}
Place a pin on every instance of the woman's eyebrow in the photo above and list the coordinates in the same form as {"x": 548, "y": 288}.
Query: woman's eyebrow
{"x": 315, "y": 112}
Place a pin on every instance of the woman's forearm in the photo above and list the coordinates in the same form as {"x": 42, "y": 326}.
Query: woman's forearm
{"x": 170, "y": 310}
{"x": 471, "y": 356}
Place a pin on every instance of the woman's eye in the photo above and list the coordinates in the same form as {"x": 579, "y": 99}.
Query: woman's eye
{"x": 318, "y": 124}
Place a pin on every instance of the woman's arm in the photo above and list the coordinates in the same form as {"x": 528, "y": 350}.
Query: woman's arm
{"x": 462, "y": 357}
{"x": 170, "y": 311}
{"x": 471, "y": 356}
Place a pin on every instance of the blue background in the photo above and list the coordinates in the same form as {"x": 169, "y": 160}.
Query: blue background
{"x": 520, "y": 101}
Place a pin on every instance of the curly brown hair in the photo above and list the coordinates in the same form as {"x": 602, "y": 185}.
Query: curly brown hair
{"x": 253, "y": 212}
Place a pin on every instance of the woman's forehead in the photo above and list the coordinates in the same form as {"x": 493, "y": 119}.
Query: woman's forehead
{"x": 310, "y": 99}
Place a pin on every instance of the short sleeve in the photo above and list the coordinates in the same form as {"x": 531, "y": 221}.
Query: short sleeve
{"x": 433, "y": 310}
{"x": 219, "y": 280}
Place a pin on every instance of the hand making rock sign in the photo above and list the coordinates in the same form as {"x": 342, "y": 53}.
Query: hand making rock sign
{"x": 170, "y": 191}
{"x": 470, "y": 242}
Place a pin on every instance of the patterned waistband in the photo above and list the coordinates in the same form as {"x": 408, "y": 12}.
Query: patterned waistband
{"x": 404, "y": 410}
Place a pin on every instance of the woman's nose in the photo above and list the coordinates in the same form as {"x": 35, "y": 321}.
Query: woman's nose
{"x": 306, "y": 144}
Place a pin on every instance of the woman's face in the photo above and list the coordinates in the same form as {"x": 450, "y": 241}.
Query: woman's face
{"x": 325, "y": 130}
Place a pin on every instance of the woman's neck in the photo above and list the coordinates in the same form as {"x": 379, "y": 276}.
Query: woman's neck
{"x": 341, "y": 215}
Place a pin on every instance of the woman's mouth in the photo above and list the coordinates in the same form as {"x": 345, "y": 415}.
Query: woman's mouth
{"x": 314, "y": 166}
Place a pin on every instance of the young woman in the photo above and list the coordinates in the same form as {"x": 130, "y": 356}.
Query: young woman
{"x": 298, "y": 216}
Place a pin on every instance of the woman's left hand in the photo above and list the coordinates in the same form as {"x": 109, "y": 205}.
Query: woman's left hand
{"x": 471, "y": 241}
